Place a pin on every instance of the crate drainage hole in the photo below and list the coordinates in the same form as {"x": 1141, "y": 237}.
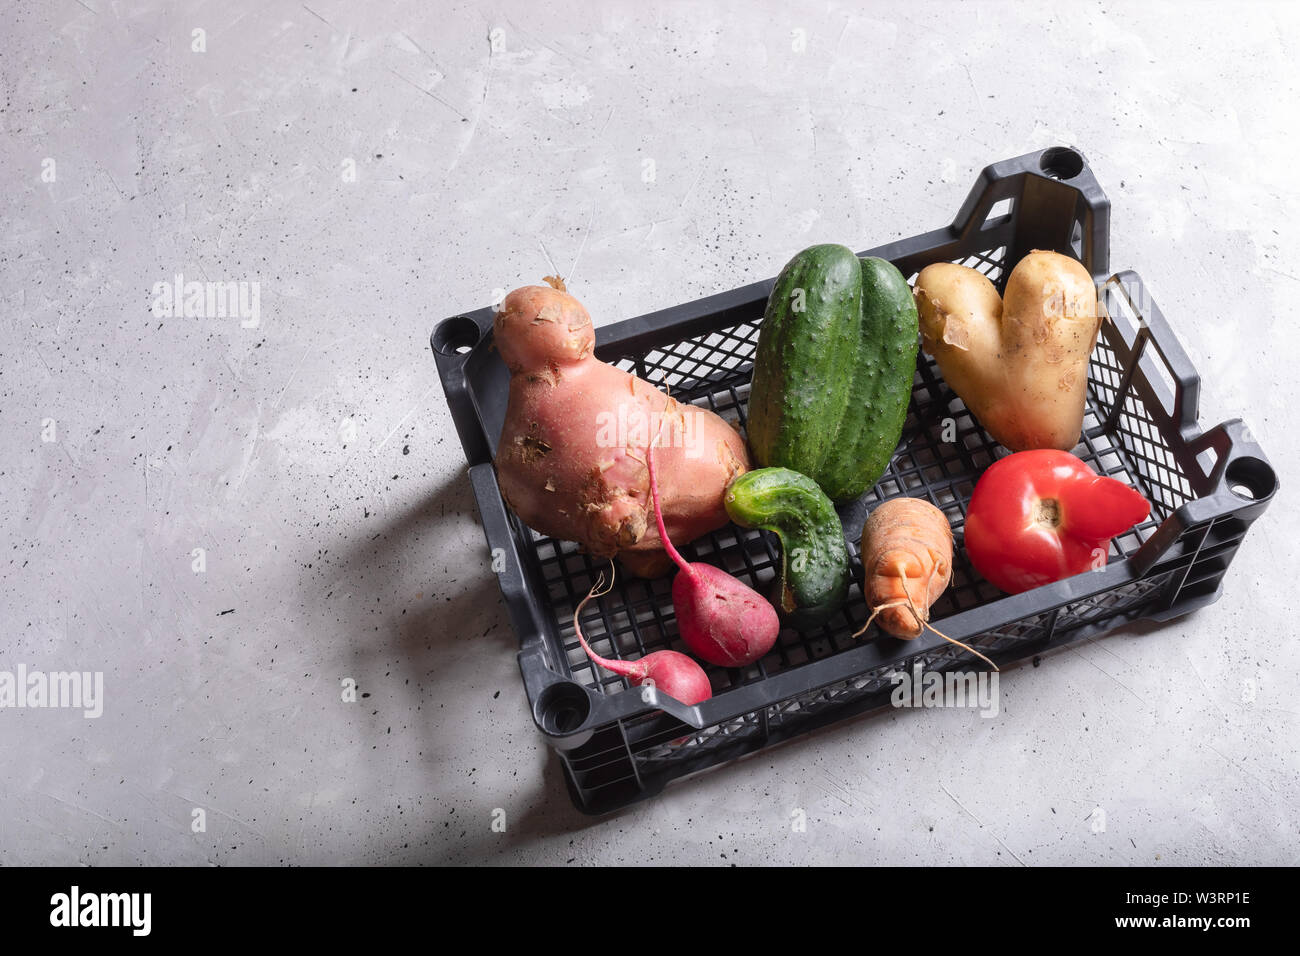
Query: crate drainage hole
{"x": 456, "y": 336}
{"x": 563, "y": 707}
{"x": 1251, "y": 478}
{"x": 1061, "y": 163}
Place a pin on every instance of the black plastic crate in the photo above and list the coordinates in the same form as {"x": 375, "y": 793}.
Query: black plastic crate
{"x": 619, "y": 744}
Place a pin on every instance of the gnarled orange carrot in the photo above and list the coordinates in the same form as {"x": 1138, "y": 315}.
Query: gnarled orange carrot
{"x": 907, "y": 564}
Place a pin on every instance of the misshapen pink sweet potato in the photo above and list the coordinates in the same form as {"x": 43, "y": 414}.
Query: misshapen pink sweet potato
{"x": 571, "y": 461}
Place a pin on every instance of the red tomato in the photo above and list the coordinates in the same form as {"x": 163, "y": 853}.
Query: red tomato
{"x": 1039, "y": 516}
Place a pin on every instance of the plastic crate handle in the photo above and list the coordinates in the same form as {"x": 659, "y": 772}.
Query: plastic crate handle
{"x": 1152, "y": 329}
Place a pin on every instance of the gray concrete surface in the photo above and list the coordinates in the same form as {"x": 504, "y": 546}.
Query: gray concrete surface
{"x": 494, "y": 144}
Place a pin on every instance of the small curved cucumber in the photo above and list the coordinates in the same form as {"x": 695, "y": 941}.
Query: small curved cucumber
{"x": 814, "y": 580}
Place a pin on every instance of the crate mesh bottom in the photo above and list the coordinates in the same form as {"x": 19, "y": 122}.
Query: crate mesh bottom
{"x": 941, "y": 453}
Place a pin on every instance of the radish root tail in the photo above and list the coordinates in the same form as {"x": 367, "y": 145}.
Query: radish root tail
{"x": 599, "y": 589}
{"x": 654, "y": 497}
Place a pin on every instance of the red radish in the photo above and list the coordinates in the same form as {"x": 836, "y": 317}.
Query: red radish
{"x": 673, "y": 673}
{"x": 722, "y": 620}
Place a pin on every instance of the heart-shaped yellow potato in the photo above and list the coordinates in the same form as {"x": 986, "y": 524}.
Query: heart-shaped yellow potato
{"x": 1020, "y": 363}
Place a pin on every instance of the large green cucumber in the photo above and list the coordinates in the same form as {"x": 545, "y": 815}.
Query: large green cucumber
{"x": 833, "y": 370}
{"x": 814, "y": 579}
